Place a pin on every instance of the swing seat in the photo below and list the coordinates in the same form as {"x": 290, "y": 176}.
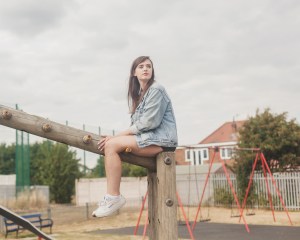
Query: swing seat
{"x": 180, "y": 223}
{"x": 250, "y": 213}
{"x": 204, "y": 220}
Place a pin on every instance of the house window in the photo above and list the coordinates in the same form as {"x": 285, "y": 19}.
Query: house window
{"x": 223, "y": 154}
{"x": 226, "y": 153}
{"x": 188, "y": 154}
{"x": 205, "y": 154}
{"x": 230, "y": 152}
{"x": 196, "y": 156}
{"x": 202, "y": 154}
{"x": 194, "y": 159}
{"x": 199, "y": 158}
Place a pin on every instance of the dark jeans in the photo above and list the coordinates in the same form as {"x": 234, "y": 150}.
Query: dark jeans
{"x": 168, "y": 149}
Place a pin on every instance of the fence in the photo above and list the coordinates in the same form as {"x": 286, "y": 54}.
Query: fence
{"x": 190, "y": 188}
{"x": 287, "y": 183}
{"x": 222, "y": 194}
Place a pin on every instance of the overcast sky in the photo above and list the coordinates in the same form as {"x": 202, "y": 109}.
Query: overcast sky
{"x": 219, "y": 60}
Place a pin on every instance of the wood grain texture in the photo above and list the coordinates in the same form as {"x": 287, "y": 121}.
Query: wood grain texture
{"x": 64, "y": 134}
{"x": 162, "y": 190}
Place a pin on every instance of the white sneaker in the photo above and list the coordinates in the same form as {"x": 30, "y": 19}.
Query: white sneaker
{"x": 108, "y": 206}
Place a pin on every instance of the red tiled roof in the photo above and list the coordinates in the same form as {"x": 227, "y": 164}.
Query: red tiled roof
{"x": 226, "y": 133}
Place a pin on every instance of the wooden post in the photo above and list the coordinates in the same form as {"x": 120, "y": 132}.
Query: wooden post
{"x": 162, "y": 201}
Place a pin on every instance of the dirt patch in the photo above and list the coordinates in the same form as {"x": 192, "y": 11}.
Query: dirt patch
{"x": 128, "y": 217}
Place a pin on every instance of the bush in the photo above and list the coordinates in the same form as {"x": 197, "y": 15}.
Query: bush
{"x": 223, "y": 197}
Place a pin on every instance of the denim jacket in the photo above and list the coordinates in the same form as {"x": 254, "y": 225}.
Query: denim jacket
{"x": 153, "y": 121}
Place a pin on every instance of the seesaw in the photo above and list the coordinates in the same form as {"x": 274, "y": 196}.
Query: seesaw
{"x": 162, "y": 203}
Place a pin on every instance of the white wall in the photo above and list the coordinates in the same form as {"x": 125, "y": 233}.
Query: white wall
{"x": 8, "y": 179}
{"x": 190, "y": 182}
{"x": 92, "y": 190}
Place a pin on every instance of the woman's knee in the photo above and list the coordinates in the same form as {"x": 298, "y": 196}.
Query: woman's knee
{"x": 110, "y": 147}
{"x": 114, "y": 145}
{"x": 119, "y": 144}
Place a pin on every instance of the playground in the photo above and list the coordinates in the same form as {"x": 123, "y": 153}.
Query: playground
{"x": 70, "y": 222}
{"x": 162, "y": 196}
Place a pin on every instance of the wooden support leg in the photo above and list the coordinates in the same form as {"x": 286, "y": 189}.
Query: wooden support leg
{"x": 162, "y": 201}
{"x": 152, "y": 204}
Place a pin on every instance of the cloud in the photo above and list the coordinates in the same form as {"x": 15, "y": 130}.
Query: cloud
{"x": 70, "y": 60}
{"x": 31, "y": 17}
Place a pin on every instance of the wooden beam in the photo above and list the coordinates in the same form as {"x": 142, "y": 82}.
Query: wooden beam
{"x": 64, "y": 134}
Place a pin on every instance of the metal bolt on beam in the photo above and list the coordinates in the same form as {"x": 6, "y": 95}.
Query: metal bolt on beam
{"x": 168, "y": 161}
{"x": 169, "y": 202}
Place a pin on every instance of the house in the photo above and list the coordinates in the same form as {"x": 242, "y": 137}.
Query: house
{"x": 225, "y": 139}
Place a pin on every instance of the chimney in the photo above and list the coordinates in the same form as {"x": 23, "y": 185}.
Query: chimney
{"x": 234, "y": 125}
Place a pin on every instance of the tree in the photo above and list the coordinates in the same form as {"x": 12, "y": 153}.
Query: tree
{"x": 137, "y": 171}
{"x": 128, "y": 170}
{"x": 99, "y": 169}
{"x": 40, "y": 155}
{"x": 55, "y": 165}
{"x": 131, "y": 170}
{"x": 278, "y": 139}
{"x": 7, "y": 159}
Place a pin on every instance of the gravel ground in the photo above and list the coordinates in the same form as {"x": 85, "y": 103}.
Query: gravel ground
{"x": 71, "y": 221}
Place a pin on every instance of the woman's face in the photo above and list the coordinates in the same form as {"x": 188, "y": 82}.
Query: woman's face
{"x": 143, "y": 71}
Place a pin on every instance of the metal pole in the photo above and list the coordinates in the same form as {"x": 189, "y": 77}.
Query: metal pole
{"x": 87, "y": 210}
{"x": 84, "y": 156}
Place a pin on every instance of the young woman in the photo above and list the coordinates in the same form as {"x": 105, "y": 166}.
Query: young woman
{"x": 152, "y": 130}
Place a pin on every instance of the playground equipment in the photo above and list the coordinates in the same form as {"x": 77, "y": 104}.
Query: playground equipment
{"x": 23, "y": 222}
{"x": 216, "y": 151}
{"x": 162, "y": 206}
{"x": 266, "y": 169}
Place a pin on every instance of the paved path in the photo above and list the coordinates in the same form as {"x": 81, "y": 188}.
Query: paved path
{"x": 220, "y": 231}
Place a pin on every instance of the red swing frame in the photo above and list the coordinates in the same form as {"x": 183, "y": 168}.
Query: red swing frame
{"x": 265, "y": 167}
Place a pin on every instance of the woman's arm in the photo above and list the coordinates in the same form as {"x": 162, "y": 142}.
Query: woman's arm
{"x": 153, "y": 112}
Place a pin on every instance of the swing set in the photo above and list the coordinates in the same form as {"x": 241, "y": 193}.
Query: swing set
{"x": 267, "y": 175}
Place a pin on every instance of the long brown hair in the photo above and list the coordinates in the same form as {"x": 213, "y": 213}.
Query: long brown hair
{"x": 134, "y": 94}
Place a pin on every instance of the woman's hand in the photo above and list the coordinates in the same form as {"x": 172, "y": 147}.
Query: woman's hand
{"x": 101, "y": 143}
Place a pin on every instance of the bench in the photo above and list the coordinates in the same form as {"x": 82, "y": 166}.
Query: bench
{"x": 36, "y": 219}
